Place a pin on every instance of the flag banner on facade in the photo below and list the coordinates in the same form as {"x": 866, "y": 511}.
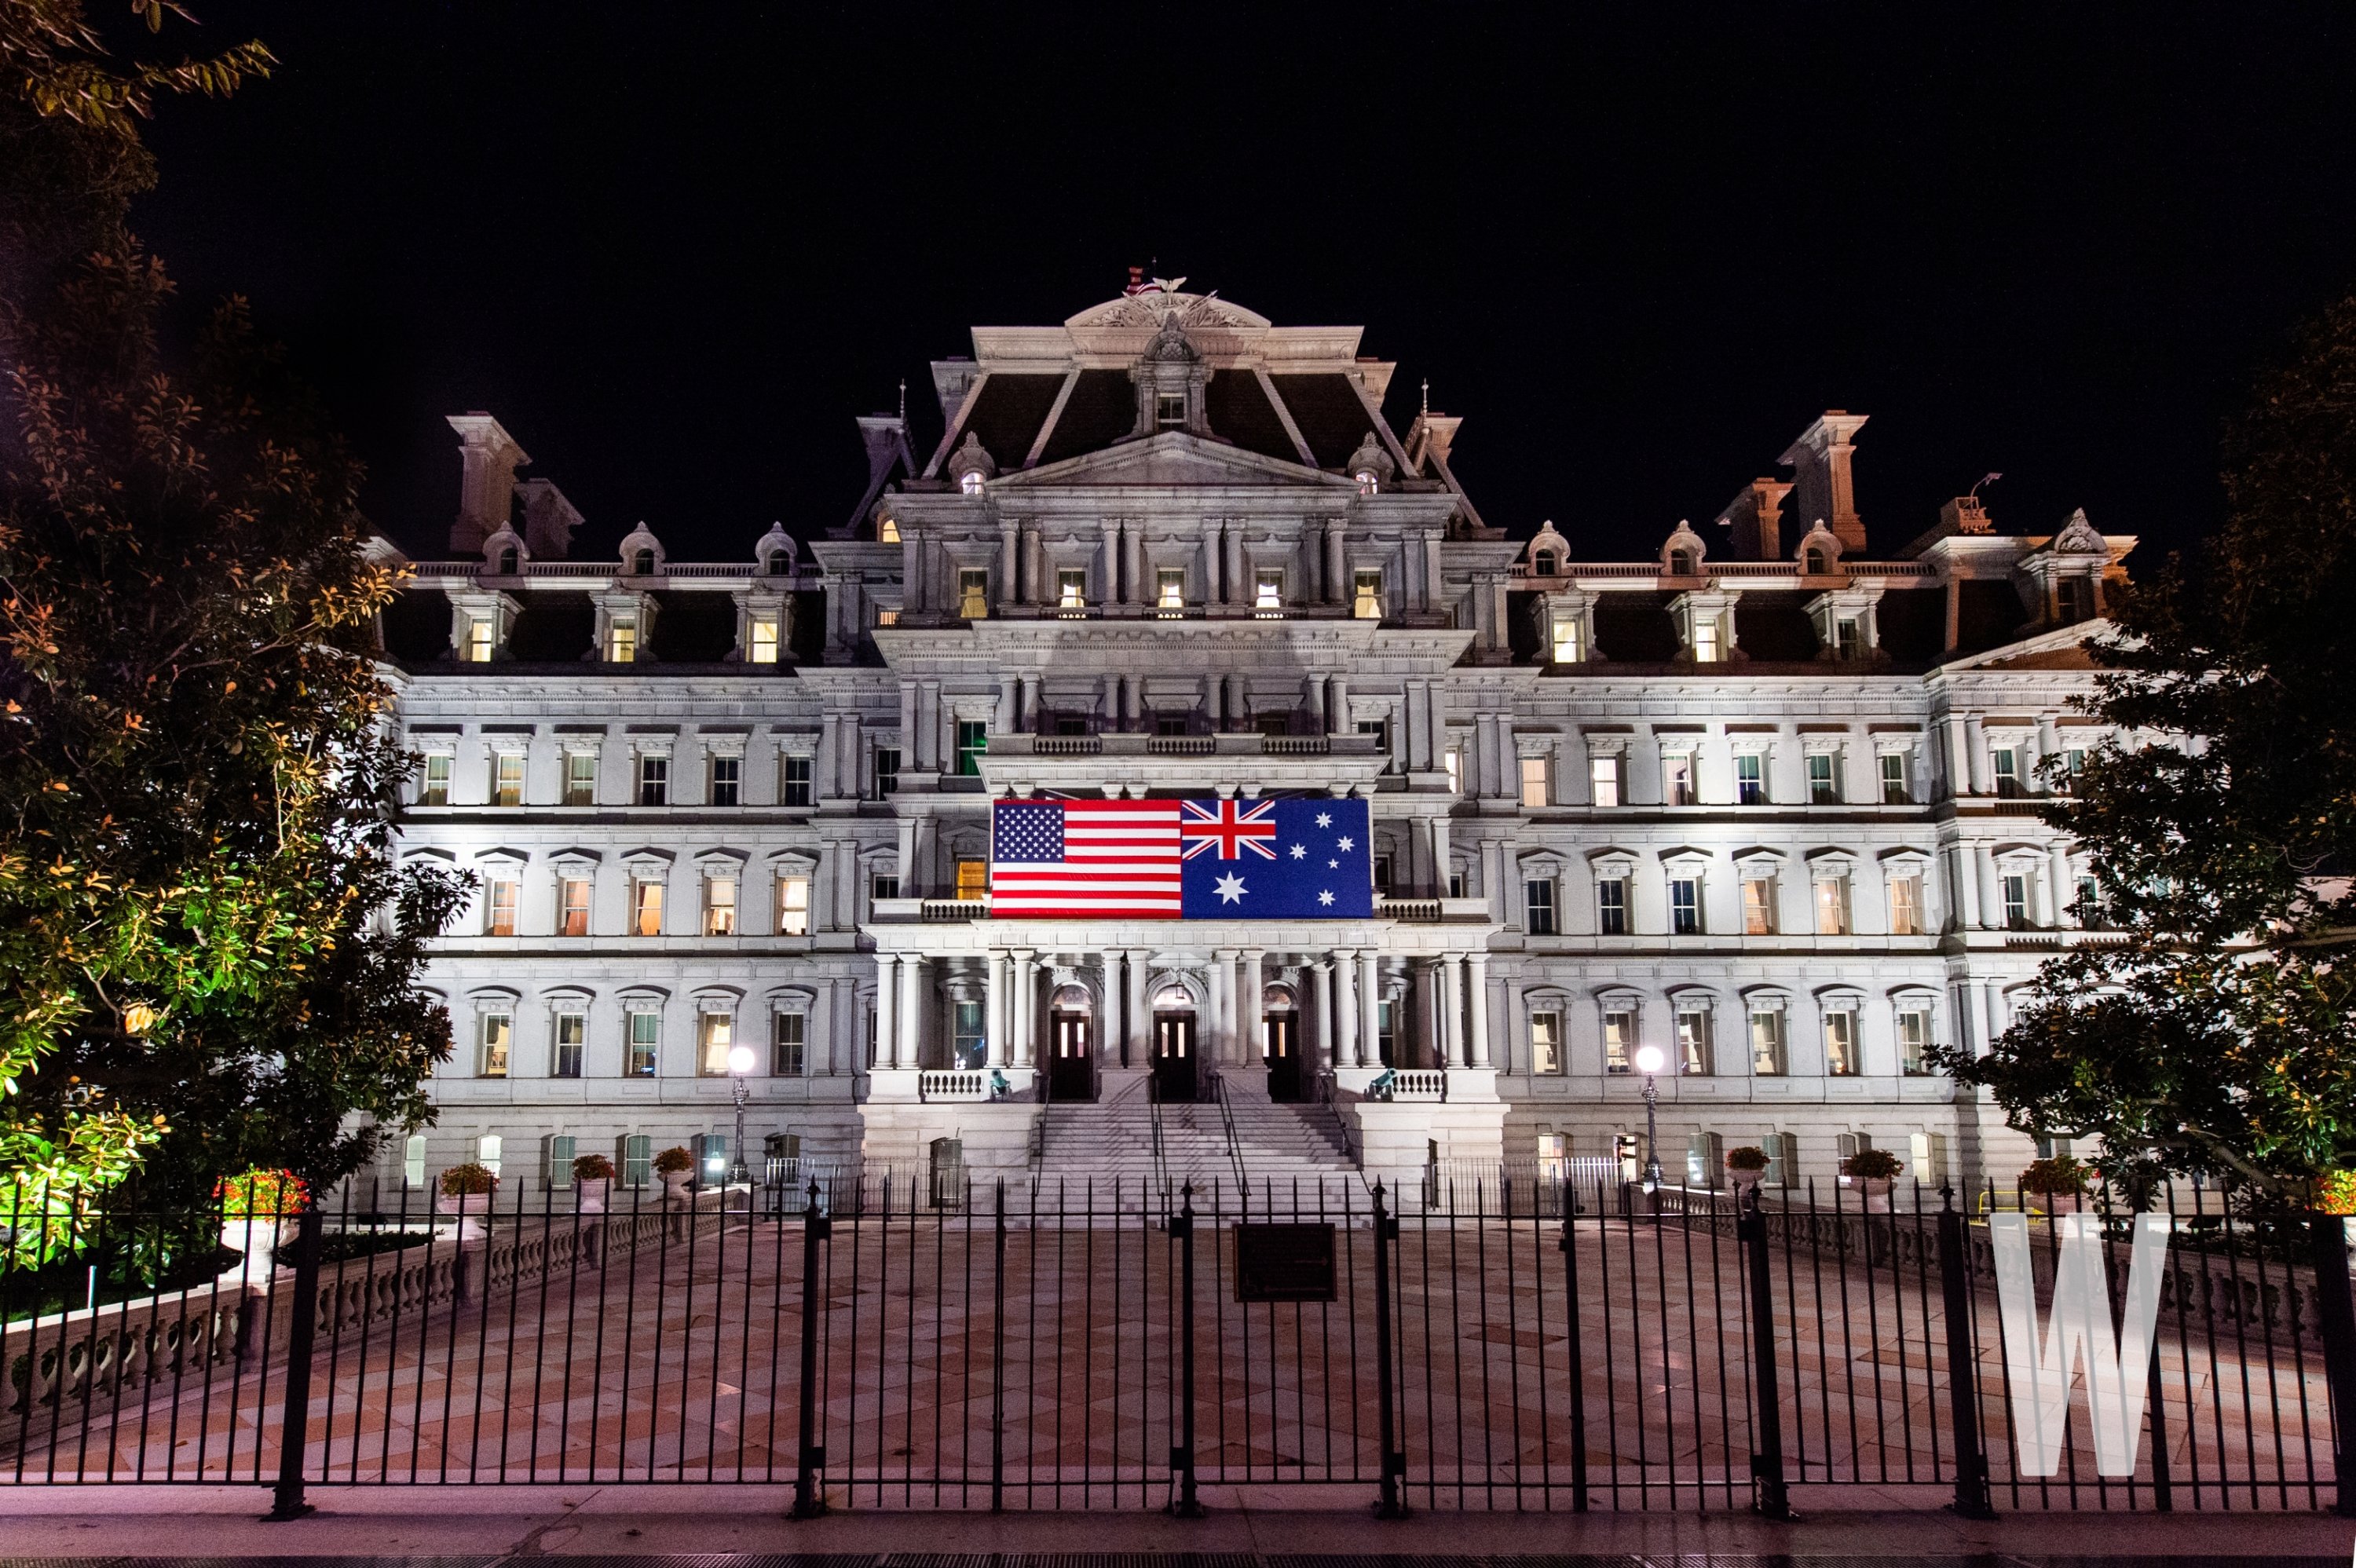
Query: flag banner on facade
{"x": 1191, "y": 859}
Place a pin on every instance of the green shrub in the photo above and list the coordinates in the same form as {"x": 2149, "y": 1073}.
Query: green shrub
{"x": 2061, "y": 1175}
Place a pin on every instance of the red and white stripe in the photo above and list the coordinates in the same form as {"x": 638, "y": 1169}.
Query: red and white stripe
{"x": 1121, "y": 860}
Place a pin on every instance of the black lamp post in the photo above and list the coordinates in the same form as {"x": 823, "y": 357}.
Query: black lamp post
{"x": 1649, "y": 1062}
{"x": 740, "y": 1063}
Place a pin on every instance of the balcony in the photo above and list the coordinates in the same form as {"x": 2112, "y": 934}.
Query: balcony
{"x": 935, "y": 1087}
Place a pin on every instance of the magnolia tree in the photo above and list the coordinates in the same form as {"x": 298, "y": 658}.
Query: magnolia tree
{"x": 207, "y": 950}
{"x": 2220, "y": 1034}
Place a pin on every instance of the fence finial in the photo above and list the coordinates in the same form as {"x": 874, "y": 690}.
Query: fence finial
{"x": 1947, "y": 1197}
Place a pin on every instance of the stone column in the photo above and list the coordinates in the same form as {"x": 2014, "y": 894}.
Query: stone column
{"x": 1451, "y": 1004}
{"x": 887, "y": 1010}
{"x": 1023, "y": 1007}
{"x": 1345, "y": 1009}
{"x": 1006, "y": 578}
{"x": 1238, "y": 590}
{"x": 1991, "y": 888}
{"x": 1317, "y": 1034}
{"x": 912, "y": 1006}
{"x": 1476, "y": 997}
{"x": 1966, "y": 883}
{"x": 1034, "y": 570}
{"x": 2062, "y": 890}
{"x": 1251, "y": 1010}
{"x": 994, "y": 1009}
{"x": 1316, "y": 695}
{"x": 1137, "y": 1014}
{"x": 1370, "y": 996}
{"x": 1337, "y": 587}
{"x": 1337, "y": 708}
{"x": 1433, "y": 586}
{"x": 1976, "y": 748}
{"x": 1002, "y": 719}
{"x": 1133, "y": 536}
{"x": 1439, "y": 854}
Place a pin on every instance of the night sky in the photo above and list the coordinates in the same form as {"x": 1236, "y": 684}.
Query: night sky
{"x": 675, "y": 249}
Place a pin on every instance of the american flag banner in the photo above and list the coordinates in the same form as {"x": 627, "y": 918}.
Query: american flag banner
{"x": 1084, "y": 859}
{"x": 1194, "y": 859}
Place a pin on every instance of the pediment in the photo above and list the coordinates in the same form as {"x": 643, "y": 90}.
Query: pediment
{"x": 1172, "y": 458}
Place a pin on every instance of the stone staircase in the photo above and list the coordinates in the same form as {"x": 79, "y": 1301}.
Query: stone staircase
{"x": 1104, "y": 1152}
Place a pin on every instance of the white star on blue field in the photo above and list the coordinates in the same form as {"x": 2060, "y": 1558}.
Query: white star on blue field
{"x": 1323, "y": 864}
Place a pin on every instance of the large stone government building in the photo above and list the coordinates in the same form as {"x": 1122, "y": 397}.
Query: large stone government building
{"x": 1766, "y": 800}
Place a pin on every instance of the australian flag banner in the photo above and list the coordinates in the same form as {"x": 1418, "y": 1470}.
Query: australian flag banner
{"x": 1276, "y": 859}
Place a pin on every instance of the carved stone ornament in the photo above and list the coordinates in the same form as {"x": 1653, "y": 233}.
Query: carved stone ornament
{"x": 2079, "y": 537}
{"x": 1170, "y": 345}
{"x": 970, "y": 458}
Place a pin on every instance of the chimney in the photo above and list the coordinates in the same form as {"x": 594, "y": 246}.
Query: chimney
{"x": 1756, "y": 515}
{"x": 548, "y": 519}
{"x": 1821, "y": 458}
{"x": 487, "y": 459}
{"x": 1965, "y": 515}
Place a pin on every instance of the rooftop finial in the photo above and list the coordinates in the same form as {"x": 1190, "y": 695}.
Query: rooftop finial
{"x": 903, "y": 399}
{"x": 1427, "y": 397}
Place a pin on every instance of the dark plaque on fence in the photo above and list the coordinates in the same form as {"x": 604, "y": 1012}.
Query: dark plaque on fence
{"x": 1285, "y": 1262}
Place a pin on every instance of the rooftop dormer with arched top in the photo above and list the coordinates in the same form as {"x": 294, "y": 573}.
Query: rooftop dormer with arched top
{"x": 642, "y": 553}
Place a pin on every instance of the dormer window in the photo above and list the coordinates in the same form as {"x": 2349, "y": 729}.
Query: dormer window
{"x": 780, "y": 563}
{"x": 1268, "y": 591}
{"x": 507, "y": 561}
{"x": 642, "y": 564}
{"x": 1169, "y": 411}
{"x": 1567, "y": 649}
{"x": 1369, "y": 483}
{"x": 1847, "y": 640}
{"x": 1680, "y": 563}
{"x": 1705, "y": 639}
{"x": 1170, "y": 588}
{"x": 1543, "y": 563}
{"x": 478, "y": 646}
{"x": 2071, "y": 602}
{"x": 969, "y": 483}
{"x": 622, "y": 640}
{"x": 888, "y": 531}
{"x": 1072, "y": 589}
{"x": 1814, "y": 564}
{"x": 764, "y": 649}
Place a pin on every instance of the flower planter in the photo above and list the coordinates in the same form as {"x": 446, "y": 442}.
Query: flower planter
{"x": 2050, "y": 1203}
{"x": 674, "y": 1184}
{"x": 590, "y": 1194}
{"x": 1745, "y": 1181}
{"x": 258, "y": 1240}
{"x": 1875, "y": 1191}
{"x": 466, "y": 1206}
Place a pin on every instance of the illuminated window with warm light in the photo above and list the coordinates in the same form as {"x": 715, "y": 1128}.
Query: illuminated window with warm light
{"x": 1170, "y": 588}
{"x": 972, "y": 879}
{"x": 1704, "y": 640}
{"x": 765, "y": 640}
{"x": 888, "y": 531}
{"x": 1072, "y": 589}
{"x": 1366, "y": 601}
{"x": 499, "y": 907}
{"x": 643, "y": 1042}
{"x": 1545, "y": 1042}
{"x": 435, "y": 789}
{"x": 1840, "y": 1044}
{"x": 572, "y": 906}
{"x": 645, "y": 906}
{"x": 1538, "y": 782}
{"x": 1603, "y": 780}
{"x": 714, "y": 1033}
{"x": 1905, "y": 906}
{"x": 477, "y": 649}
{"x": 1914, "y": 1041}
{"x": 1368, "y": 482}
{"x": 1758, "y": 906}
{"x": 580, "y": 778}
{"x": 1832, "y": 906}
{"x": 793, "y": 906}
{"x": 1677, "y": 779}
{"x": 1694, "y": 1055}
{"x": 622, "y": 640}
{"x": 1619, "y": 1039}
{"x": 1767, "y": 1055}
{"x": 1268, "y": 590}
{"x": 506, "y": 778}
{"x": 498, "y": 1033}
{"x": 1568, "y": 648}
{"x": 719, "y": 906}
{"x": 973, "y": 593}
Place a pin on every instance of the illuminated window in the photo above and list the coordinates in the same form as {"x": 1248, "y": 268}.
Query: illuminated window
{"x": 789, "y": 1033}
{"x": 1545, "y": 1042}
{"x": 727, "y": 775}
{"x": 1612, "y": 906}
{"x": 969, "y": 482}
{"x": 1821, "y": 790}
{"x": 1684, "y": 906}
{"x": 1677, "y": 779}
{"x": 973, "y": 593}
{"x": 1603, "y": 780}
{"x": 1267, "y": 589}
{"x": 622, "y": 640}
{"x": 1170, "y": 588}
{"x": 1567, "y": 649}
{"x": 1767, "y": 1055}
{"x": 972, "y": 740}
{"x": 1840, "y": 1044}
{"x": 795, "y": 789}
{"x": 1619, "y": 1039}
{"x": 645, "y": 906}
{"x": 580, "y": 778}
{"x": 435, "y": 789}
{"x": 719, "y": 906}
{"x": 1832, "y": 906}
{"x": 1169, "y": 410}
{"x": 714, "y": 1033}
{"x": 644, "y": 1037}
{"x": 1454, "y": 761}
{"x": 1758, "y": 906}
{"x": 1537, "y": 781}
{"x": 1896, "y": 790}
{"x": 498, "y": 1030}
{"x": 1914, "y": 1041}
{"x": 1368, "y": 483}
{"x": 506, "y": 778}
{"x": 1367, "y": 600}
{"x": 413, "y": 1160}
{"x": 499, "y": 907}
{"x": 1750, "y": 779}
{"x": 477, "y": 649}
{"x": 1705, "y": 639}
{"x": 888, "y": 531}
{"x": 654, "y": 778}
{"x": 972, "y": 879}
{"x": 572, "y": 906}
{"x": 1537, "y": 905}
{"x": 765, "y": 640}
{"x": 1072, "y": 589}
{"x": 793, "y": 906}
{"x": 1553, "y": 1155}
{"x": 571, "y": 1038}
{"x": 1905, "y": 906}
{"x": 1694, "y": 1043}
{"x": 487, "y": 1152}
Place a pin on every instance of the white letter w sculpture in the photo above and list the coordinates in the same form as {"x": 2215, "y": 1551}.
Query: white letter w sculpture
{"x": 2078, "y": 1331}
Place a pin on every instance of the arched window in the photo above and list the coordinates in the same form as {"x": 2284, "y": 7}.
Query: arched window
{"x": 969, "y": 483}
{"x": 1815, "y": 563}
{"x": 780, "y": 563}
{"x": 507, "y": 561}
{"x": 643, "y": 563}
{"x": 1545, "y": 563}
{"x": 1680, "y": 563}
{"x": 888, "y": 531}
{"x": 1367, "y": 482}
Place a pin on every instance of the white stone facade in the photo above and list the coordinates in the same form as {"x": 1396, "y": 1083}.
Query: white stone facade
{"x": 1765, "y": 802}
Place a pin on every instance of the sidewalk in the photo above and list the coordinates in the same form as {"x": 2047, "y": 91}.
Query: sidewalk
{"x": 477, "y": 1526}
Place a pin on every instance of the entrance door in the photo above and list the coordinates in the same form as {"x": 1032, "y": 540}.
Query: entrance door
{"x": 1174, "y": 1057}
{"x": 1070, "y": 1074}
{"x": 1284, "y": 1056}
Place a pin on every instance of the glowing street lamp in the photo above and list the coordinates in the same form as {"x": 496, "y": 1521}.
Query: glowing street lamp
{"x": 740, "y": 1063}
{"x": 1649, "y": 1062}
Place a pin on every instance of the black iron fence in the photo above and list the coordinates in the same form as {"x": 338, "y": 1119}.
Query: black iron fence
{"x": 1506, "y": 1343}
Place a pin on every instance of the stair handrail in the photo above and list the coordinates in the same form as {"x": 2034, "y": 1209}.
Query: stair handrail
{"x": 1235, "y": 1142}
{"x": 1160, "y": 1158}
{"x": 1039, "y": 1123}
{"x": 1331, "y": 1097}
